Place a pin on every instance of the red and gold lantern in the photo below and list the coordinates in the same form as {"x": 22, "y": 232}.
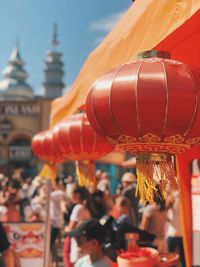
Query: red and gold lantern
{"x": 37, "y": 146}
{"x": 150, "y": 106}
{"x": 78, "y": 141}
{"x": 44, "y": 147}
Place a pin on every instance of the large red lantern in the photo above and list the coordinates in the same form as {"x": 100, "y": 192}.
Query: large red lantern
{"x": 78, "y": 141}
{"x": 151, "y": 107}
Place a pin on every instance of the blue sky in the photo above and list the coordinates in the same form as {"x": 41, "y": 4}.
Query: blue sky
{"x": 81, "y": 26}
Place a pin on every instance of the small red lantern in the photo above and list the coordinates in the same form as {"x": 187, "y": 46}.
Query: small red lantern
{"x": 150, "y": 105}
{"x": 44, "y": 147}
{"x": 37, "y": 146}
{"x": 78, "y": 141}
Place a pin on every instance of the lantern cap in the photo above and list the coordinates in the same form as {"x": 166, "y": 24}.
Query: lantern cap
{"x": 154, "y": 156}
{"x": 154, "y": 53}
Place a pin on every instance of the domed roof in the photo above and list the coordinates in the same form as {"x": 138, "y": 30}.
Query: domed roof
{"x": 14, "y": 86}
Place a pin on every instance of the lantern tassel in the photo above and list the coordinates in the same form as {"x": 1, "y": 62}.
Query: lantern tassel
{"x": 154, "y": 170}
{"x": 85, "y": 171}
{"x": 49, "y": 170}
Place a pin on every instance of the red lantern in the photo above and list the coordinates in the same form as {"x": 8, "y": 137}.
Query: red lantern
{"x": 44, "y": 147}
{"x": 37, "y": 145}
{"x": 78, "y": 141}
{"x": 148, "y": 105}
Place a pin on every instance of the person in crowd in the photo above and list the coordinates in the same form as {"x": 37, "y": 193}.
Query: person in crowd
{"x": 69, "y": 184}
{"x": 12, "y": 201}
{"x": 81, "y": 211}
{"x": 99, "y": 205}
{"x": 98, "y": 175}
{"x": 5, "y": 249}
{"x": 58, "y": 195}
{"x": 104, "y": 183}
{"x": 174, "y": 231}
{"x": 123, "y": 208}
{"x": 37, "y": 211}
{"x": 26, "y": 193}
{"x": 154, "y": 220}
{"x": 90, "y": 237}
{"x": 129, "y": 184}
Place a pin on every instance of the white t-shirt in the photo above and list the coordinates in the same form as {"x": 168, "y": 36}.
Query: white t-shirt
{"x": 79, "y": 214}
{"x": 85, "y": 262}
{"x": 56, "y": 213}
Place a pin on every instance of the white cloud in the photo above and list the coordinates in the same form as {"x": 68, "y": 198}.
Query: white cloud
{"x": 105, "y": 25}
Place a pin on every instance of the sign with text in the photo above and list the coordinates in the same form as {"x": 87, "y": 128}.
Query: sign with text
{"x": 19, "y": 152}
{"x": 16, "y": 109}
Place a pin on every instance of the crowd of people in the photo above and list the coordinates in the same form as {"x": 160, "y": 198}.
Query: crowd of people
{"x": 81, "y": 215}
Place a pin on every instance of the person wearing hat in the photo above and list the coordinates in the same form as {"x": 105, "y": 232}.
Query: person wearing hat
{"x": 90, "y": 236}
{"x": 129, "y": 184}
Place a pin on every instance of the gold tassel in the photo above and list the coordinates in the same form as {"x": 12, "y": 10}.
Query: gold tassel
{"x": 49, "y": 171}
{"x": 85, "y": 171}
{"x": 153, "y": 171}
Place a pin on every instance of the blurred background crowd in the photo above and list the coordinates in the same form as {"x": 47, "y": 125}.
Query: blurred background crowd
{"x": 25, "y": 200}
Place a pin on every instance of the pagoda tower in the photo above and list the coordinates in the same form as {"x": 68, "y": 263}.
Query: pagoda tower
{"x": 14, "y": 86}
{"x": 53, "y": 84}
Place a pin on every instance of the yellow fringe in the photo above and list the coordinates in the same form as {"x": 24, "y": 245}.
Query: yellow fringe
{"x": 49, "y": 171}
{"x": 85, "y": 171}
{"x": 154, "y": 172}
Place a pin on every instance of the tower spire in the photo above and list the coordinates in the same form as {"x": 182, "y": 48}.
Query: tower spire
{"x": 53, "y": 81}
{"x": 54, "y": 41}
{"x": 17, "y": 43}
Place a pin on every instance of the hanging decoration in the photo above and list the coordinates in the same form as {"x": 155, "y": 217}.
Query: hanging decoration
{"x": 77, "y": 141}
{"x": 151, "y": 107}
{"x": 44, "y": 147}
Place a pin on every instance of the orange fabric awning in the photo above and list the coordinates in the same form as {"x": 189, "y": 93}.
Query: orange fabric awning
{"x": 143, "y": 27}
{"x": 172, "y": 25}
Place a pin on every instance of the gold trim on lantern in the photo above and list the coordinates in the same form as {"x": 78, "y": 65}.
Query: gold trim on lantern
{"x": 150, "y": 142}
{"x": 149, "y": 138}
{"x": 154, "y": 157}
{"x": 193, "y": 141}
{"x": 154, "y": 147}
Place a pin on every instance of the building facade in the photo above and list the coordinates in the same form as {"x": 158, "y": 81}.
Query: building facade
{"x": 22, "y": 114}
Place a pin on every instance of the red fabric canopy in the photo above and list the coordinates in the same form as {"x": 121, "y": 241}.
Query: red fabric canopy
{"x": 184, "y": 42}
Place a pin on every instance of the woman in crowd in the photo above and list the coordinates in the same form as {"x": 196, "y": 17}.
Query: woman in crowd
{"x": 154, "y": 220}
{"x": 81, "y": 211}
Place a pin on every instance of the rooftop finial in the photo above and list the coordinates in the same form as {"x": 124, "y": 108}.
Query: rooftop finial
{"x": 17, "y": 43}
{"x": 54, "y": 41}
